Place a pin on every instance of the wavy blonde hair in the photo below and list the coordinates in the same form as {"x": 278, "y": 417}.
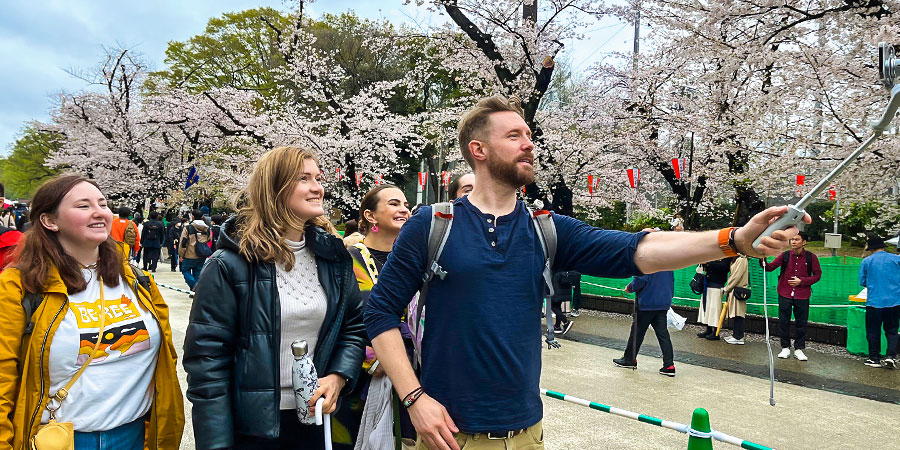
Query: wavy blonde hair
{"x": 263, "y": 212}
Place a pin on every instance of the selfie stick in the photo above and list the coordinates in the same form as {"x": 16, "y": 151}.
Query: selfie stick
{"x": 889, "y": 71}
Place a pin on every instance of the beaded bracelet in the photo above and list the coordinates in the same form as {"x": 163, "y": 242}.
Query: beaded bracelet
{"x": 412, "y": 397}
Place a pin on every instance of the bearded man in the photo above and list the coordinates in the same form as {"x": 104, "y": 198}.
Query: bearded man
{"x": 481, "y": 352}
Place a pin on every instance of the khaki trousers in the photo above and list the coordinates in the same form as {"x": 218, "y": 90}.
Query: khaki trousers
{"x": 531, "y": 439}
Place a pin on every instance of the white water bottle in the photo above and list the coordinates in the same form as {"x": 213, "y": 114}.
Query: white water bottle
{"x": 305, "y": 380}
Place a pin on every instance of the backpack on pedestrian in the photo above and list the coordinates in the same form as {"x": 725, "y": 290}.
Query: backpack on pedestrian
{"x": 201, "y": 242}
{"x": 153, "y": 231}
{"x": 441, "y": 221}
{"x": 130, "y": 235}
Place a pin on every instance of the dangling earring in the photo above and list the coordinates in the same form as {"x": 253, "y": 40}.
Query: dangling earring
{"x": 374, "y": 228}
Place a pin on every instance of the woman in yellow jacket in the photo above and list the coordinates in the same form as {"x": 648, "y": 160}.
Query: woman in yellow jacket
{"x": 127, "y": 396}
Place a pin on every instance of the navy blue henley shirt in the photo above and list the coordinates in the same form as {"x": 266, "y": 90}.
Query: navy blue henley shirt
{"x": 481, "y": 351}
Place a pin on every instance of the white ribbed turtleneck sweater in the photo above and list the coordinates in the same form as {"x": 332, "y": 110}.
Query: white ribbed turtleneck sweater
{"x": 303, "y": 307}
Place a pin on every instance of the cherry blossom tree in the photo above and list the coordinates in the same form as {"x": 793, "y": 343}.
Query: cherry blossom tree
{"x": 765, "y": 91}
{"x": 107, "y": 137}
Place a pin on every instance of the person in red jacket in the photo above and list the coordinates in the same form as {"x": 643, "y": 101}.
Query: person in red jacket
{"x": 9, "y": 238}
{"x": 799, "y": 271}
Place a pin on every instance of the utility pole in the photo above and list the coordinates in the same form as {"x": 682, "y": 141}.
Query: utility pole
{"x": 637, "y": 36}
{"x": 837, "y": 209}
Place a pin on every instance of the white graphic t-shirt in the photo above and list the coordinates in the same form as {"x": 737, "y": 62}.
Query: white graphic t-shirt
{"x": 116, "y": 388}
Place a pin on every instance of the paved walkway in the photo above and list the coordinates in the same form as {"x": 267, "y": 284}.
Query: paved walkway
{"x": 804, "y": 417}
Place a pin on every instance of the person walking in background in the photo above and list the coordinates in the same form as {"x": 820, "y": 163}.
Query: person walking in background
{"x": 653, "y": 297}
{"x": 799, "y": 271}
{"x": 7, "y": 217}
{"x": 125, "y": 231}
{"x": 281, "y": 274}
{"x": 204, "y": 212}
{"x": 7, "y": 213}
{"x": 711, "y": 302}
{"x": 152, "y": 239}
{"x": 880, "y": 274}
{"x": 173, "y": 235}
{"x": 562, "y": 292}
{"x": 216, "y": 228}
{"x": 193, "y": 234}
{"x": 737, "y": 291}
{"x": 139, "y": 222}
{"x": 98, "y": 341}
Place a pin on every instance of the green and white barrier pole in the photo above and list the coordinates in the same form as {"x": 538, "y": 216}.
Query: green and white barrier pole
{"x": 183, "y": 291}
{"x": 700, "y": 436}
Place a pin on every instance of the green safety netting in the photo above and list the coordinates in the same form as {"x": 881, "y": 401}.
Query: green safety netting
{"x": 839, "y": 281}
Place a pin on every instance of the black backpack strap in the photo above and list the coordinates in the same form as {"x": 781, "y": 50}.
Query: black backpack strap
{"x": 809, "y": 257}
{"x": 30, "y": 303}
{"x": 142, "y": 278}
{"x": 785, "y": 258}
{"x": 545, "y": 229}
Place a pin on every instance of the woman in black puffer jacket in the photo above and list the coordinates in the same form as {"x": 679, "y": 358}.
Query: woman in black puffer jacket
{"x": 280, "y": 273}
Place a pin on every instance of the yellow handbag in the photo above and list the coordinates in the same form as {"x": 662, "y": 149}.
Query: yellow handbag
{"x": 61, "y": 435}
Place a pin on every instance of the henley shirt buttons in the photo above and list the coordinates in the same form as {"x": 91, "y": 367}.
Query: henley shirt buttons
{"x": 490, "y": 230}
{"x": 493, "y": 244}
{"x": 489, "y": 220}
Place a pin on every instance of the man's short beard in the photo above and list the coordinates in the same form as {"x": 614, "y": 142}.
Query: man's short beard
{"x": 509, "y": 173}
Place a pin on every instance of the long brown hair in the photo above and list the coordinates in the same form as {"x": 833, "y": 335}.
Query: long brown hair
{"x": 370, "y": 202}
{"x": 42, "y": 249}
{"x": 263, "y": 214}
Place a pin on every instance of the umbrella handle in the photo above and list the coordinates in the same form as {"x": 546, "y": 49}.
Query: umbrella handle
{"x": 722, "y": 316}
{"x": 324, "y": 419}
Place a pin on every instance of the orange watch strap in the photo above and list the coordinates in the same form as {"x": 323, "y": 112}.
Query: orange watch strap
{"x": 724, "y": 236}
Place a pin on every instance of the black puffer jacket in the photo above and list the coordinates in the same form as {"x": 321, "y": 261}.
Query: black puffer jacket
{"x": 233, "y": 338}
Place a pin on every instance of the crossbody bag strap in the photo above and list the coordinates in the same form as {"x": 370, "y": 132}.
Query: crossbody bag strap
{"x": 61, "y": 394}
{"x": 368, "y": 260}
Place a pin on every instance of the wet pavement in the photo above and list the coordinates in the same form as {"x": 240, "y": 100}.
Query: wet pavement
{"x": 829, "y": 367}
{"x": 831, "y": 401}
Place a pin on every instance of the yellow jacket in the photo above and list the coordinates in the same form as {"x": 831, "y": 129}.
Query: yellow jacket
{"x": 25, "y": 371}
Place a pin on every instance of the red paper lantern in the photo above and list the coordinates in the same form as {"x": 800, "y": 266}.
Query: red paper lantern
{"x": 832, "y": 193}
{"x": 358, "y": 178}
{"x": 378, "y": 179}
{"x": 634, "y": 176}
{"x": 338, "y": 173}
{"x": 423, "y": 178}
{"x": 591, "y": 184}
{"x": 445, "y": 178}
{"x": 801, "y": 179}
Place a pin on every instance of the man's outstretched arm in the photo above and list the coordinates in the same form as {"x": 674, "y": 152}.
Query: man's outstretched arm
{"x": 673, "y": 250}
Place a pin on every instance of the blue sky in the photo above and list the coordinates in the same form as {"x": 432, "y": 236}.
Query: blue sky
{"x": 41, "y": 40}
